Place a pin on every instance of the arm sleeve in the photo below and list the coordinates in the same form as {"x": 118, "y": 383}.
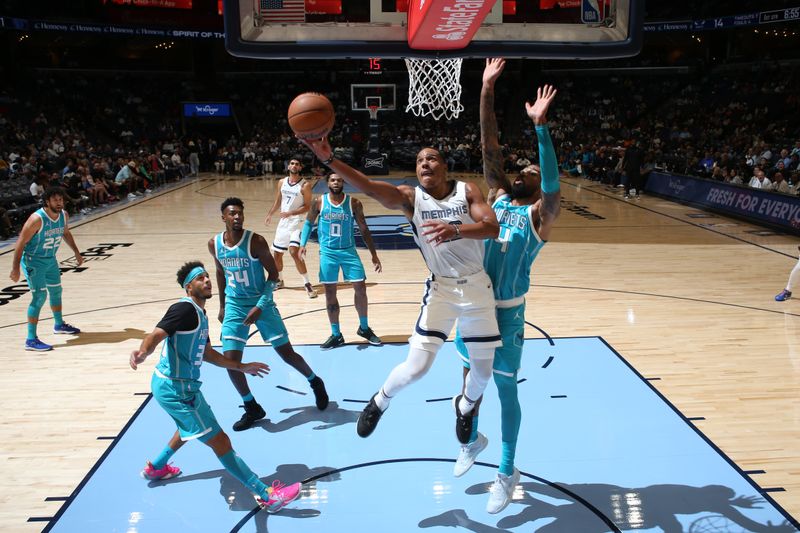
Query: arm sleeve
{"x": 181, "y": 316}
{"x": 305, "y": 234}
{"x": 547, "y": 161}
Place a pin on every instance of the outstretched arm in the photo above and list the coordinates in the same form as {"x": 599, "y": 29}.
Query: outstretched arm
{"x": 490, "y": 143}
{"x": 548, "y": 165}
{"x": 358, "y": 211}
{"x": 148, "y": 345}
{"x": 215, "y": 358}
{"x": 387, "y": 194}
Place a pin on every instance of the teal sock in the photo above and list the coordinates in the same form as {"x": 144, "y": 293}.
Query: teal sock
{"x": 248, "y": 397}
{"x": 161, "y": 461}
{"x": 311, "y": 377}
{"x": 55, "y": 303}
{"x": 510, "y": 418}
{"x": 364, "y": 321}
{"x": 474, "y": 435}
{"x": 507, "y": 458}
{"x": 31, "y": 330}
{"x": 335, "y": 329}
{"x": 242, "y": 472}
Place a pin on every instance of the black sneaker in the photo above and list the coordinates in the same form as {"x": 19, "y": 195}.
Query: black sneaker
{"x": 463, "y": 422}
{"x": 370, "y": 336}
{"x": 251, "y": 416}
{"x": 368, "y": 419}
{"x": 320, "y": 394}
{"x": 334, "y": 341}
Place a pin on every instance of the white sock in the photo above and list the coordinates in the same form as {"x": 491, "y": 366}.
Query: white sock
{"x": 305, "y": 278}
{"x": 381, "y": 400}
{"x": 465, "y": 405}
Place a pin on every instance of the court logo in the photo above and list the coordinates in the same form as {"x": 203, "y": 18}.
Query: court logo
{"x": 389, "y": 232}
{"x": 96, "y": 253}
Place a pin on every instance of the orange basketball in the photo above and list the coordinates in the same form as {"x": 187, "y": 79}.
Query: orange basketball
{"x": 311, "y": 115}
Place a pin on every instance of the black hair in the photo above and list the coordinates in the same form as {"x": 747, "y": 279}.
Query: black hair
{"x": 186, "y": 268}
{"x": 54, "y": 191}
{"x": 328, "y": 177}
{"x": 231, "y": 201}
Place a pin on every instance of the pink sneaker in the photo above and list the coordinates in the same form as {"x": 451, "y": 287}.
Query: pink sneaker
{"x": 280, "y": 497}
{"x": 152, "y": 474}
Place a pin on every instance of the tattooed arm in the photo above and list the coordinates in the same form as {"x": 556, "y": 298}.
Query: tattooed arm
{"x": 492, "y": 154}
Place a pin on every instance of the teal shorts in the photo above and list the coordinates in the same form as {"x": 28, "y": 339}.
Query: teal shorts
{"x": 331, "y": 260}
{"x": 235, "y": 333}
{"x": 508, "y": 357}
{"x": 41, "y": 272}
{"x": 183, "y": 401}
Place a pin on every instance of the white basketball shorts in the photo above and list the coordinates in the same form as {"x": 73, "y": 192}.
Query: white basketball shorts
{"x": 288, "y": 233}
{"x": 468, "y": 300}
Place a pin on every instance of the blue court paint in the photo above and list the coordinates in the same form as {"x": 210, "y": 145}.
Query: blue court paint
{"x": 612, "y": 455}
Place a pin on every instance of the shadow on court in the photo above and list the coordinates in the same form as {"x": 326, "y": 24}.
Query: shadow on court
{"x": 655, "y": 506}
{"x": 105, "y": 337}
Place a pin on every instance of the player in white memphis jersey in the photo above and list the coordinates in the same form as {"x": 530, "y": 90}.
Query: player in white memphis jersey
{"x": 450, "y": 219}
{"x": 526, "y": 209}
{"x": 293, "y": 200}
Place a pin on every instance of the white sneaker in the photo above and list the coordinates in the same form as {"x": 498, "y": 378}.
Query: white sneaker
{"x": 501, "y": 492}
{"x": 468, "y": 454}
{"x": 131, "y": 196}
{"x": 148, "y": 191}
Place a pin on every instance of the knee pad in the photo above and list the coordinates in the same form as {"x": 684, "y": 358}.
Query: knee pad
{"x": 55, "y": 294}
{"x": 480, "y": 371}
{"x": 38, "y": 298}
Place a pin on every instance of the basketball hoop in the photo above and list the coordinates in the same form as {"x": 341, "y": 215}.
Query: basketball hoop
{"x": 373, "y": 112}
{"x": 434, "y": 87}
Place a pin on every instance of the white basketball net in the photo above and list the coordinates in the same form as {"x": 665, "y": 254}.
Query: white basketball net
{"x": 434, "y": 87}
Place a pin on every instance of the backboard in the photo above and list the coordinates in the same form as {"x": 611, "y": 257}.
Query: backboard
{"x": 318, "y": 29}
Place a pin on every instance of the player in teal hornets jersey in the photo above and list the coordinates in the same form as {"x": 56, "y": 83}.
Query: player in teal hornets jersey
{"x": 526, "y": 209}
{"x": 338, "y": 213}
{"x": 176, "y": 387}
{"x": 241, "y": 257}
{"x": 35, "y": 252}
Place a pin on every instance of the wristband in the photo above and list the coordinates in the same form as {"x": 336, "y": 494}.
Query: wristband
{"x": 458, "y": 230}
{"x": 328, "y": 161}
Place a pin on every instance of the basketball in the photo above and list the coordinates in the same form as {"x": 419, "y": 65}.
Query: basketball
{"x": 311, "y": 115}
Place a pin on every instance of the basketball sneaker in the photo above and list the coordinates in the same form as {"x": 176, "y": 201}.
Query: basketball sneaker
{"x": 65, "y": 329}
{"x": 251, "y": 416}
{"x": 783, "y": 296}
{"x": 334, "y": 341}
{"x": 279, "y": 497}
{"x": 468, "y": 454}
{"x": 151, "y": 473}
{"x": 310, "y": 290}
{"x": 368, "y": 334}
{"x": 463, "y": 422}
{"x": 320, "y": 394}
{"x": 501, "y": 492}
{"x": 368, "y": 419}
{"x": 35, "y": 345}
{"x": 279, "y": 284}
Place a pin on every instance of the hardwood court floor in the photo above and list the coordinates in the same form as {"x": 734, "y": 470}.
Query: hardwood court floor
{"x": 687, "y": 300}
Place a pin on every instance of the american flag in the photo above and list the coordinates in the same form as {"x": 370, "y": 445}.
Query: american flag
{"x": 277, "y": 11}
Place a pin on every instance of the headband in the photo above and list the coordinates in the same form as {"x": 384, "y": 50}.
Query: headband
{"x": 196, "y": 271}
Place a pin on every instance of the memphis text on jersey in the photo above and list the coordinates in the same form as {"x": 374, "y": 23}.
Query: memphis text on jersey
{"x": 428, "y": 214}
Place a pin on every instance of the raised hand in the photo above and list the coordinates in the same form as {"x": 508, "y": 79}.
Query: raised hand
{"x": 538, "y": 110}
{"x": 494, "y": 67}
